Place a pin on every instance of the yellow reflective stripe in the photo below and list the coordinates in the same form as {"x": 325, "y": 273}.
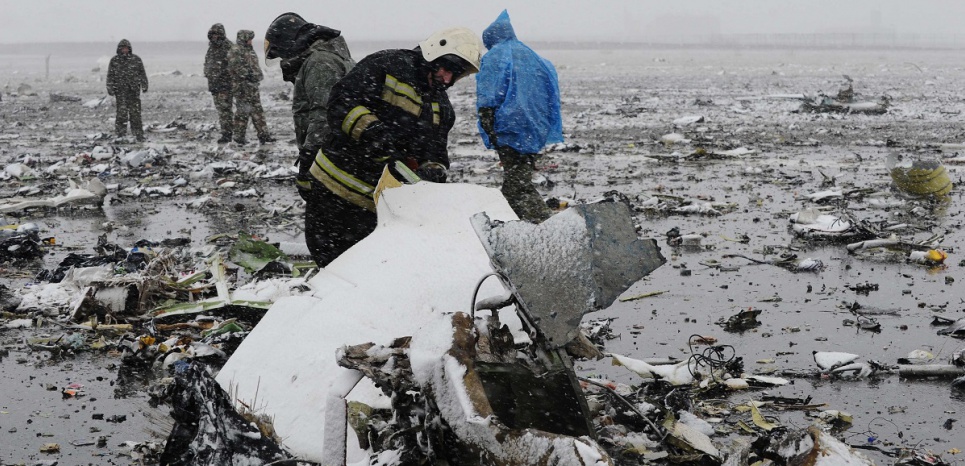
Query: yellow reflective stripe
{"x": 435, "y": 113}
{"x": 402, "y": 102}
{"x": 406, "y": 172}
{"x": 304, "y": 184}
{"x": 402, "y": 88}
{"x": 339, "y": 175}
{"x": 352, "y": 117}
{"x": 401, "y": 95}
{"x": 361, "y": 125}
{"x": 340, "y": 190}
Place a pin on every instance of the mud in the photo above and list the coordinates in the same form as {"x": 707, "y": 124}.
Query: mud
{"x": 617, "y": 104}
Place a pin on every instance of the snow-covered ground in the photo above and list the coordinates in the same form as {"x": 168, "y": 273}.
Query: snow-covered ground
{"x": 618, "y": 105}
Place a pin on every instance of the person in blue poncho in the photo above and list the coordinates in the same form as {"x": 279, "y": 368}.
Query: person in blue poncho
{"x": 518, "y": 100}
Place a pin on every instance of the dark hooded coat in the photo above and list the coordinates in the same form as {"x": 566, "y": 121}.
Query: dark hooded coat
{"x": 125, "y": 73}
{"x": 216, "y": 60}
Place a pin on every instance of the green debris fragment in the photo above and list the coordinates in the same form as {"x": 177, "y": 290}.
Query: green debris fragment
{"x": 253, "y": 254}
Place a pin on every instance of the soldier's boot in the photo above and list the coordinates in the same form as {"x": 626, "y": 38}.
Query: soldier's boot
{"x": 265, "y": 138}
{"x": 239, "y": 137}
{"x": 225, "y": 138}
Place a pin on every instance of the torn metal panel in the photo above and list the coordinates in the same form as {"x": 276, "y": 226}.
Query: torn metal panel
{"x": 577, "y": 261}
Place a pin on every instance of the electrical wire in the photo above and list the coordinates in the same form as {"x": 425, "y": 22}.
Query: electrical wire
{"x": 663, "y": 434}
{"x": 713, "y": 357}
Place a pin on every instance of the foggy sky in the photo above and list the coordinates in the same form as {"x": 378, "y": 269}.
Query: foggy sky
{"x": 23, "y": 21}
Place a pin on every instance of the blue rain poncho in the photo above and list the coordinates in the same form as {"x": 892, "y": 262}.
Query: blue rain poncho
{"x": 523, "y": 89}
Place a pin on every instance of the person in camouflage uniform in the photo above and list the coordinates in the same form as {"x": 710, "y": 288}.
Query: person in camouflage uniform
{"x": 245, "y": 76}
{"x": 314, "y": 58}
{"x": 219, "y": 79}
{"x": 126, "y": 79}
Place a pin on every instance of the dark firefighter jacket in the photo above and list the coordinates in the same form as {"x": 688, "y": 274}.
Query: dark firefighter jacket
{"x": 327, "y": 62}
{"x": 216, "y": 61}
{"x": 382, "y": 111}
{"x": 125, "y": 73}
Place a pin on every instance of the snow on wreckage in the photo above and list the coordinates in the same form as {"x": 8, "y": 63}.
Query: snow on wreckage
{"x": 452, "y": 378}
{"x": 470, "y": 390}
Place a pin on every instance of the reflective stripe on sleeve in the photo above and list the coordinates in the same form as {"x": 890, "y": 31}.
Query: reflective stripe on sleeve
{"x": 406, "y": 172}
{"x": 361, "y": 125}
{"x": 436, "y": 118}
{"x": 353, "y": 117}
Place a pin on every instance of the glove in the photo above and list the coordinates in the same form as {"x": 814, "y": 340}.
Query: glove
{"x": 144, "y": 89}
{"x": 433, "y": 172}
{"x": 110, "y": 92}
{"x": 303, "y": 180}
{"x": 487, "y": 120}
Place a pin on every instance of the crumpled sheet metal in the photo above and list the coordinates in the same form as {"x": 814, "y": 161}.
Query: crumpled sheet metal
{"x": 577, "y": 261}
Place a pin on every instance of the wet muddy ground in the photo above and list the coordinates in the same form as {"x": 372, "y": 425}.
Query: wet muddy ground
{"x": 617, "y": 105}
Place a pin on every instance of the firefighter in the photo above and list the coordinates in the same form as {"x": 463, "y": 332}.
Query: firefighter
{"x": 390, "y": 112}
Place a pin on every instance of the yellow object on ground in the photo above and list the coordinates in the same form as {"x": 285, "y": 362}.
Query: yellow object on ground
{"x": 923, "y": 178}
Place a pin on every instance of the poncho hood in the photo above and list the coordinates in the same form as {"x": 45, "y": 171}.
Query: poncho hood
{"x": 499, "y": 31}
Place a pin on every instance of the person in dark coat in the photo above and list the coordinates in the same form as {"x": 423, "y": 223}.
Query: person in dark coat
{"x": 126, "y": 80}
{"x": 219, "y": 78}
{"x": 245, "y": 77}
{"x": 389, "y": 113}
{"x": 314, "y": 58}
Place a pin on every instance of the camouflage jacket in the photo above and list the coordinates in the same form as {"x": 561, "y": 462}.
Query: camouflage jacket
{"x": 125, "y": 73}
{"x": 327, "y": 62}
{"x": 243, "y": 63}
{"x": 216, "y": 61}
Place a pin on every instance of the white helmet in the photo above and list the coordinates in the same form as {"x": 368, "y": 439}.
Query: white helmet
{"x": 459, "y": 41}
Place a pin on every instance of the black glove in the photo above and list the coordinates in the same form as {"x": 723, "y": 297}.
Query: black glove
{"x": 433, "y": 172}
{"x": 487, "y": 119}
{"x": 303, "y": 180}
